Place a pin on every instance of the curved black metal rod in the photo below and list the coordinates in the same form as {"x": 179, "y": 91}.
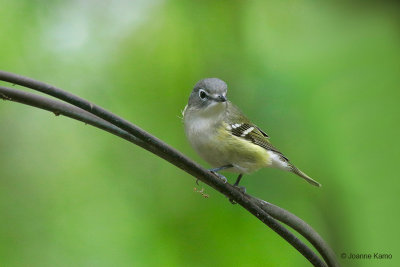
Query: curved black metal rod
{"x": 156, "y": 146}
{"x": 301, "y": 227}
{"x": 61, "y": 108}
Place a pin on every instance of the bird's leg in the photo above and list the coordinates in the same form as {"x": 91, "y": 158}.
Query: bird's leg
{"x": 236, "y": 184}
{"x": 241, "y": 188}
{"x": 216, "y": 170}
{"x": 238, "y": 180}
{"x": 221, "y": 168}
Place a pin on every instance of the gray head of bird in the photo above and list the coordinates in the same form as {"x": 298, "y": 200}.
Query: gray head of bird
{"x": 208, "y": 95}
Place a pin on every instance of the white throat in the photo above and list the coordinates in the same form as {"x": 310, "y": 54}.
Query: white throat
{"x": 198, "y": 120}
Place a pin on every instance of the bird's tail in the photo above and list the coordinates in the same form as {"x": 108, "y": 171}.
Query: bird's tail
{"x": 304, "y": 176}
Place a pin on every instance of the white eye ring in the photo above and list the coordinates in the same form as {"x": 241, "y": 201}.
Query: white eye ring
{"x": 202, "y": 94}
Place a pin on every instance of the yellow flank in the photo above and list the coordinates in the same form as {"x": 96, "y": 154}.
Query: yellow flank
{"x": 244, "y": 155}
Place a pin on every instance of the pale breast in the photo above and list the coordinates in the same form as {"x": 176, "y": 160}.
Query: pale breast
{"x": 212, "y": 140}
{"x": 201, "y": 132}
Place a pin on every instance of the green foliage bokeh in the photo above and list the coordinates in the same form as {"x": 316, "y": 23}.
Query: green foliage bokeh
{"x": 322, "y": 78}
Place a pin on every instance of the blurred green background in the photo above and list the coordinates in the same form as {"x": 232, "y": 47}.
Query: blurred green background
{"x": 322, "y": 78}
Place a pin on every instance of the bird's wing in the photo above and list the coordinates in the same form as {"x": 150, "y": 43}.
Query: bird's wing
{"x": 254, "y": 134}
{"x": 242, "y": 127}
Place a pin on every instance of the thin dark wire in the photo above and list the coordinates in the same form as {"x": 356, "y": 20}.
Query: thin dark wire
{"x": 302, "y": 228}
{"x": 68, "y": 110}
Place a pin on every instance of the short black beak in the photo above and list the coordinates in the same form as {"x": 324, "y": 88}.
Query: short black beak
{"x": 221, "y": 98}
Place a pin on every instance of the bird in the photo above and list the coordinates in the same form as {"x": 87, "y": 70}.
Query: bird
{"x": 225, "y": 138}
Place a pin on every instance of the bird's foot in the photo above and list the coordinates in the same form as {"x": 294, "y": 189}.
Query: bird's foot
{"x": 242, "y": 189}
{"x": 220, "y": 176}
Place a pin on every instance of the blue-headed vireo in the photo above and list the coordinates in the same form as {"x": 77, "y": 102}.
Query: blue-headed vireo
{"x": 226, "y": 138}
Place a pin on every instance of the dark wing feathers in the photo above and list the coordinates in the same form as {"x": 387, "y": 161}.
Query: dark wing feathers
{"x": 261, "y": 131}
{"x": 255, "y": 135}
{"x": 242, "y": 130}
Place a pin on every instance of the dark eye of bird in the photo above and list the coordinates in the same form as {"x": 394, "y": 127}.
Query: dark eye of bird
{"x": 202, "y": 94}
